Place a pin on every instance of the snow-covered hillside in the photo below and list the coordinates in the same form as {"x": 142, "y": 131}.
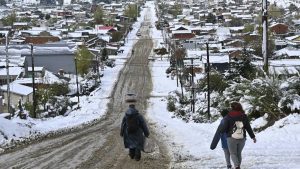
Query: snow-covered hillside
{"x": 277, "y": 147}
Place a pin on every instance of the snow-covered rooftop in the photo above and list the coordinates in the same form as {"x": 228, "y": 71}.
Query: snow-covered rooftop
{"x": 13, "y": 71}
{"x": 18, "y": 89}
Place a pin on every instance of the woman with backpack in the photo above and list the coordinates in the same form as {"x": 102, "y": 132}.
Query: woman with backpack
{"x": 235, "y": 125}
{"x": 134, "y": 130}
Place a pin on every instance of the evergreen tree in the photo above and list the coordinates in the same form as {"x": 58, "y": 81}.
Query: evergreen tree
{"x": 275, "y": 12}
{"x": 43, "y": 95}
{"x": 293, "y": 8}
{"x": 84, "y": 60}
{"x": 104, "y": 55}
{"x": 98, "y": 16}
{"x": 241, "y": 66}
{"x": 176, "y": 10}
{"x": 131, "y": 11}
{"x": 116, "y": 36}
{"x": 47, "y": 17}
{"x": 9, "y": 20}
{"x": 248, "y": 28}
{"x": 211, "y": 18}
{"x": 236, "y": 22}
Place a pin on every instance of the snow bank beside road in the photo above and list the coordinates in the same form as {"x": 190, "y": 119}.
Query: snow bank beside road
{"x": 12, "y": 130}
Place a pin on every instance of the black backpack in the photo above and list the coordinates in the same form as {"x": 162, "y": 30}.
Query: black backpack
{"x": 132, "y": 123}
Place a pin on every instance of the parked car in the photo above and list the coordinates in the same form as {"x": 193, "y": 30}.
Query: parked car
{"x": 110, "y": 62}
{"x": 138, "y": 34}
{"x": 122, "y": 42}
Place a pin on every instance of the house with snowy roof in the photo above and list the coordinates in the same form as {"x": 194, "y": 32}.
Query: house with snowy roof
{"x": 247, "y": 18}
{"x": 14, "y": 73}
{"x": 279, "y": 28}
{"x": 53, "y": 57}
{"x": 181, "y": 32}
{"x": 16, "y": 67}
{"x": 282, "y": 67}
{"x": 17, "y": 92}
{"x": 98, "y": 41}
{"x": 289, "y": 53}
{"x": 223, "y": 33}
{"x": 20, "y": 25}
{"x": 42, "y": 77}
{"x": 294, "y": 40}
{"x": 101, "y": 29}
{"x": 218, "y": 61}
{"x": 77, "y": 36}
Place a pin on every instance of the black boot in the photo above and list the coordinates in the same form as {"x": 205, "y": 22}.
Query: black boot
{"x": 229, "y": 166}
{"x": 137, "y": 155}
{"x": 131, "y": 153}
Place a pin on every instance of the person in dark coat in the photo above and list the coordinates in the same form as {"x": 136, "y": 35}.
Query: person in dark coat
{"x": 235, "y": 145}
{"x": 134, "y": 141}
{"x": 223, "y": 136}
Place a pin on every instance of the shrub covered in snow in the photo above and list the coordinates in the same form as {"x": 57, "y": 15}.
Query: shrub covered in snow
{"x": 270, "y": 97}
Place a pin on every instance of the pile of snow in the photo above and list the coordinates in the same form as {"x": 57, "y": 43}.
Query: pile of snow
{"x": 281, "y": 3}
{"x": 13, "y": 130}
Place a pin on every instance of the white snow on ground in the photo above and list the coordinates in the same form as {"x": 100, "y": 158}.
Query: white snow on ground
{"x": 277, "y": 147}
{"x": 92, "y": 107}
{"x": 281, "y": 3}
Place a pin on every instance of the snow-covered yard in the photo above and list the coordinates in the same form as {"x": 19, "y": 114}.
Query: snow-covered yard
{"x": 277, "y": 147}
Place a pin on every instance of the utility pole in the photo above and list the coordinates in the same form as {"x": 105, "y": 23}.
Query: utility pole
{"x": 7, "y": 74}
{"x": 176, "y": 61}
{"x": 192, "y": 84}
{"x": 33, "y": 81}
{"x": 98, "y": 71}
{"x": 78, "y": 106}
{"x": 208, "y": 85}
{"x": 265, "y": 35}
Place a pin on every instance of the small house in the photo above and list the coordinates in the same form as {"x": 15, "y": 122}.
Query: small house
{"x": 279, "y": 28}
{"x": 17, "y": 92}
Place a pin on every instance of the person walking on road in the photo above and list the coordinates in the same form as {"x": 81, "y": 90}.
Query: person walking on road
{"x": 223, "y": 136}
{"x": 235, "y": 125}
{"x": 134, "y": 130}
